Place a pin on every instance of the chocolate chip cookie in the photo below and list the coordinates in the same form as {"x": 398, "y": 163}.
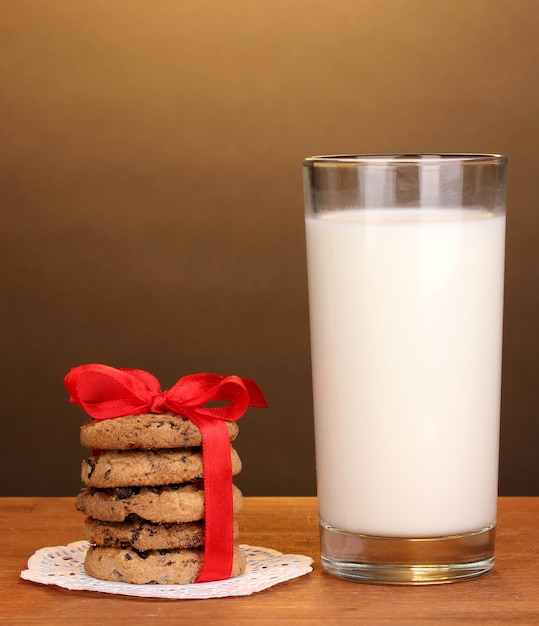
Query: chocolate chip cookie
{"x": 126, "y": 468}
{"x": 146, "y": 431}
{"x": 170, "y": 503}
{"x": 162, "y": 567}
{"x": 142, "y": 535}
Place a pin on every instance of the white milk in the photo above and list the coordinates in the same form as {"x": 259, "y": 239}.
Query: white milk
{"x": 406, "y": 331}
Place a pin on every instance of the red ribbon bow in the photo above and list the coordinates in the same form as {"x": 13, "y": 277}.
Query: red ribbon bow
{"x": 106, "y": 392}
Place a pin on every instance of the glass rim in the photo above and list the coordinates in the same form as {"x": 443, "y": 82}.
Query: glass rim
{"x": 404, "y": 159}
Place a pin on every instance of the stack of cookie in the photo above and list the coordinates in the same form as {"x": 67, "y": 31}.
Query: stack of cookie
{"x": 144, "y": 499}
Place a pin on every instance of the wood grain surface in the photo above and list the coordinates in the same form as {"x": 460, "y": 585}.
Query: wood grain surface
{"x": 508, "y": 595}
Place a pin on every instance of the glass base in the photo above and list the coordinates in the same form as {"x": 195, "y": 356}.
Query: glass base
{"x": 396, "y": 561}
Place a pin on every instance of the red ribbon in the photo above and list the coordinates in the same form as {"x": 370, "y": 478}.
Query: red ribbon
{"x": 106, "y": 392}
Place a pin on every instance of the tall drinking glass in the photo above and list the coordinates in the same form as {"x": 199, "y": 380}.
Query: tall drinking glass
{"x": 405, "y": 259}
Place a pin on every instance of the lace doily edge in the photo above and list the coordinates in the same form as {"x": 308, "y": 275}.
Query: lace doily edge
{"x": 264, "y": 570}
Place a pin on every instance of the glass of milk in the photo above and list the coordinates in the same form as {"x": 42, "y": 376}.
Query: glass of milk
{"x": 405, "y": 258}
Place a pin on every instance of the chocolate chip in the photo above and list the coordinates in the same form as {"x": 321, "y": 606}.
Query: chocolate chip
{"x": 91, "y": 464}
{"x": 141, "y": 554}
{"x": 122, "y": 493}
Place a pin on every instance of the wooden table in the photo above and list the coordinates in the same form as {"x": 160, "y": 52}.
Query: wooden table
{"x": 508, "y": 595}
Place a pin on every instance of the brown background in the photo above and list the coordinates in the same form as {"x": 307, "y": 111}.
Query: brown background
{"x": 152, "y": 211}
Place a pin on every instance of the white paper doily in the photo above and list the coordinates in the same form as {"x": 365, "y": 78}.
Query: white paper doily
{"x": 64, "y": 566}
